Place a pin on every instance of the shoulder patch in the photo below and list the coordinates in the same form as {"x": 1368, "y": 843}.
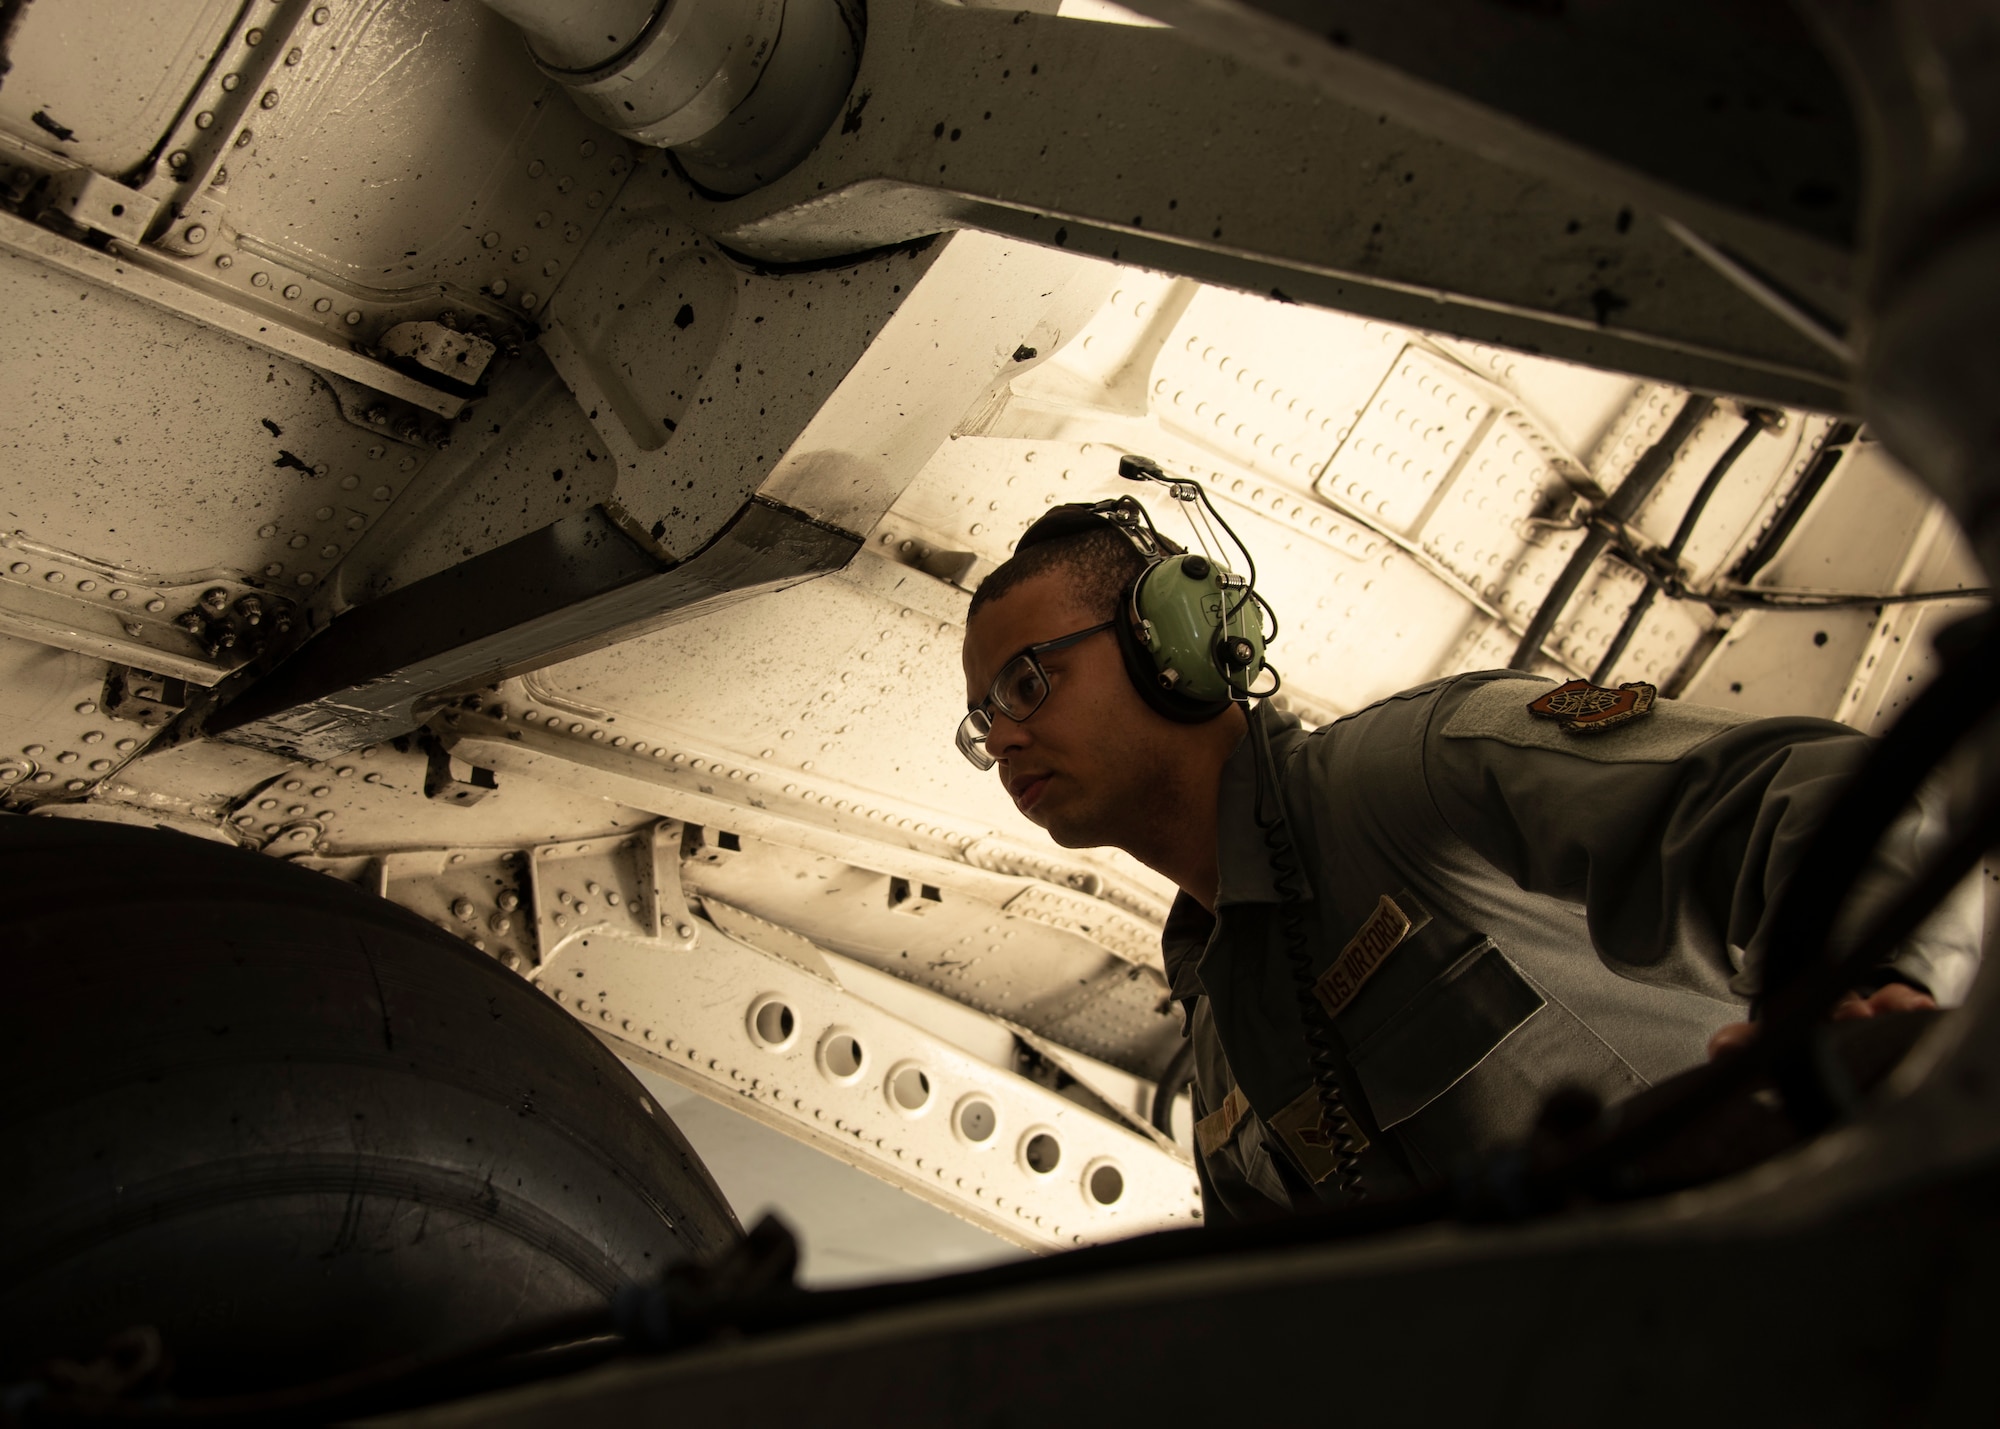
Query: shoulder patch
{"x": 1499, "y": 710}
{"x": 1582, "y": 708}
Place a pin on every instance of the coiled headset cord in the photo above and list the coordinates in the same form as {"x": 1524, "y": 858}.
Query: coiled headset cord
{"x": 1289, "y": 880}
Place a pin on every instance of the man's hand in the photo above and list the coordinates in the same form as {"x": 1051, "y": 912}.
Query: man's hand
{"x": 1894, "y": 998}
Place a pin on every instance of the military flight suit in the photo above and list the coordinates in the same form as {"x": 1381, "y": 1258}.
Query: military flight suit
{"x": 1500, "y": 907}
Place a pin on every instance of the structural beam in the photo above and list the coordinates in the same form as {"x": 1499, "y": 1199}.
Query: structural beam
{"x": 1724, "y": 113}
{"x": 1147, "y": 146}
{"x": 578, "y": 585}
{"x": 758, "y": 1018}
{"x": 795, "y": 1050}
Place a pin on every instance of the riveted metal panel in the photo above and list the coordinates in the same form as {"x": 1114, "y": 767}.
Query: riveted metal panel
{"x": 106, "y": 76}
{"x": 56, "y": 740}
{"x": 167, "y": 454}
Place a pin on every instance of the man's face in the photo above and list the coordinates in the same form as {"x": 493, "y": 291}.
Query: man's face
{"x": 1089, "y": 761}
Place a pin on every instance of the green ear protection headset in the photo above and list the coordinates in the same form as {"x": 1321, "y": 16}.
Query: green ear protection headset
{"x": 1192, "y": 630}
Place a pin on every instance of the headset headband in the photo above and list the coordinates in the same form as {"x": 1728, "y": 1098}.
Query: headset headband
{"x": 1079, "y": 518}
{"x": 1160, "y": 641}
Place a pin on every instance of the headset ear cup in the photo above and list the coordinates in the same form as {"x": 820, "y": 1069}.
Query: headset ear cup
{"x": 1145, "y": 671}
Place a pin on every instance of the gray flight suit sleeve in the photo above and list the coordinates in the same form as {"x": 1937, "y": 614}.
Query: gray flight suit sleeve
{"x": 1677, "y": 831}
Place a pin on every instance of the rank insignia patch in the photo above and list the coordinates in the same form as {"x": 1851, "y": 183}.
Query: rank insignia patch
{"x": 1583, "y": 708}
{"x": 1316, "y": 1145}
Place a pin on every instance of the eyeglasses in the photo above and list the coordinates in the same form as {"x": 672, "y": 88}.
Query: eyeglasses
{"x": 1017, "y": 692}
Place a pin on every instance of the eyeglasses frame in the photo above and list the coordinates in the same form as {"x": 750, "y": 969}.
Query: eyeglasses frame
{"x": 971, "y": 739}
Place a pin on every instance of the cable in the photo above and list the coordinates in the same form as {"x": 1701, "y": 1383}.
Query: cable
{"x": 1321, "y": 1041}
{"x": 1740, "y": 597}
{"x": 1138, "y": 468}
{"x": 1754, "y": 422}
{"x": 1796, "y": 503}
{"x": 1622, "y": 506}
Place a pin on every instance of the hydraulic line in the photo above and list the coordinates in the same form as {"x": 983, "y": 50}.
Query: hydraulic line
{"x": 1797, "y": 502}
{"x": 1622, "y": 506}
{"x": 1738, "y": 597}
{"x": 1754, "y": 422}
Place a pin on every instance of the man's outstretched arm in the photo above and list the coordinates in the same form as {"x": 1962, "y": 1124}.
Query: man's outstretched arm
{"x": 1678, "y": 831}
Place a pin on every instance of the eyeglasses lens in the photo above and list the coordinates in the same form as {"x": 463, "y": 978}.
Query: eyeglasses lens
{"x": 1020, "y": 689}
{"x": 1017, "y": 693}
{"x": 972, "y": 732}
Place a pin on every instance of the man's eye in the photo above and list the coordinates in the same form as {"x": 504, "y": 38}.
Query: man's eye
{"x": 1023, "y": 689}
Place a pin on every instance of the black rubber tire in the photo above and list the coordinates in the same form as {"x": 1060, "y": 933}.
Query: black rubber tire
{"x": 295, "y": 1127}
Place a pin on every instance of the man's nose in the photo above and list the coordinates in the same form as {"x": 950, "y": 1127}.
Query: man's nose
{"x": 1006, "y": 736}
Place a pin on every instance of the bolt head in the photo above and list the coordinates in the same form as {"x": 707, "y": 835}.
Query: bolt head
{"x": 196, "y": 235}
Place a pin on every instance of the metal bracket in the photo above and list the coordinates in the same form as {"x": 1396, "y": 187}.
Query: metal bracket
{"x": 475, "y": 894}
{"x": 628, "y": 887}
{"x": 100, "y": 205}
{"x": 453, "y": 780}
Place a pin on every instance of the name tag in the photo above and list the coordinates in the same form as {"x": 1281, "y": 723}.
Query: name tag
{"x": 1386, "y": 927}
{"x": 1213, "y": 1131}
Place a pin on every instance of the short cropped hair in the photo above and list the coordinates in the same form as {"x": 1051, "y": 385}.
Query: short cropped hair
{"x": 1098, "y": 565}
